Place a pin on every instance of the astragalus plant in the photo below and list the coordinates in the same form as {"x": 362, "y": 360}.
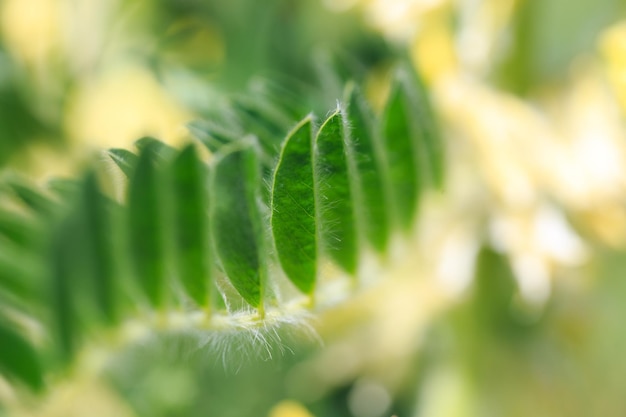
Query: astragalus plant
{"x": 230, "y": 240}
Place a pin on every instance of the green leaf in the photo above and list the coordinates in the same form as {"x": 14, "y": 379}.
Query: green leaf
{"x": 237, "y": 222}
{"x": 19, "y": 229}
{"x": 145, "y": 226}
{"x": 262, "y": 118}
{"x": 492, "y": 306}
{"x": 283, "y": 97}
{"x": 212, "y": 135}
{"x": 335, "y": 197}
{"x": 18, "y": 358}
{"x": 371, "y": 175}
{"x": 162, "y": 151}
{"x": 262, "y": 111}
{"x": 64, "y": 188}
{"x": 33, "y": 198}
{"x": 402, "y": 161}
{"x": 101, "y": 259}
{"x": 125, "y": 160}
{"x": 189, "y": 186}
{"x": 427, "y": 137}
{"x": 61, "y": 288}
{"x": 293, "y": 211}
{"x": 19, "y": 272}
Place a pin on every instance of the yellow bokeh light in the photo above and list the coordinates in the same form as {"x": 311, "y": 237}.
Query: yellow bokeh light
{"x": 613, "y": 49}
{"x": 31, "y": 28}
{"x": 122, "y": 105}
{"x": 289, "y": 409}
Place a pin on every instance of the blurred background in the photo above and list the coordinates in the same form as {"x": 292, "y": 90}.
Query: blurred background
{"x": 510, "y": 298}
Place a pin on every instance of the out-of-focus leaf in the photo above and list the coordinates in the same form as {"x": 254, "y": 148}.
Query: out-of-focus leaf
{"x": 63, "y": 318}
{"x": 189, "y": 186}
{"x": 426, "y": 136}
{"x": 335, "y": 197}
{"x": 65, "y": 189}
{"x": 32, "y": 198}
{"x": 145, "y": 226}
{"x": 18, "y": 358}
{"x": 19, "y": 229}
{"x": 404, "y": 171}
{"x": 237, "y": 222}
{"x": 19, "y": 272}
{"x": 493, "y": 295}
{"x": 284, "y": 96}
{"x": 264, "y": 111}
{"x": 82, "y": 267}
{"x": 101, "y": 259}
{"x": 293, "y": 210}
{"x": 213, "y": 135}
{"x": 262, "y": 118}
{"x": 539, "y": 52}
{"x": 367, "y": 152}
{"x": 125, "y": 160}
{"x": 162, "y": 151}
{"x": 20, "y": 123}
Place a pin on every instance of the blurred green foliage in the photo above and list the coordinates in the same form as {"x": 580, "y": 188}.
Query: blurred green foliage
{"x": 18, "y": 116}
{"x": 548, "y": 35}
{"x": 69, "y": 251}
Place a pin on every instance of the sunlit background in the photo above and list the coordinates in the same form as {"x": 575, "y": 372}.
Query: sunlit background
{"x": 510, "y": 299}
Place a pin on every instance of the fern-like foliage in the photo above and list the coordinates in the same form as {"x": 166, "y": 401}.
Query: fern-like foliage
{"x": 211, "y": 237}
